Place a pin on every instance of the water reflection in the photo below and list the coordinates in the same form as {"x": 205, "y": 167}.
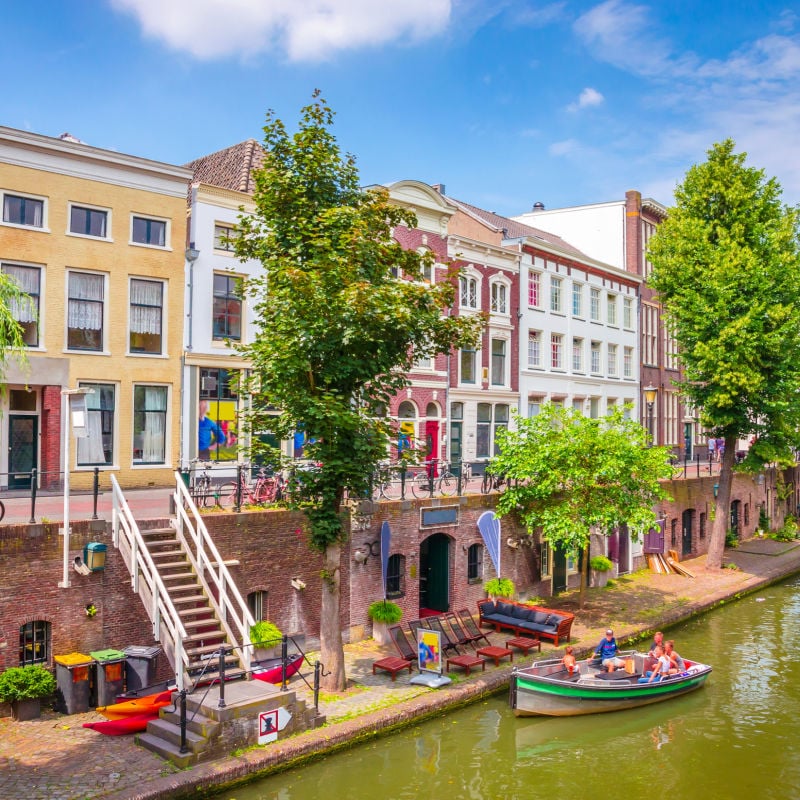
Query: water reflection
{"x": 738, "y": 737}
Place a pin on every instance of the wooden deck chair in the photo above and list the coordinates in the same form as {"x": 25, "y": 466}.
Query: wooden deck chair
{"x": 402, "y": 643}
{"x": 414, "y": 625}
{"x": 459, "y": 632}
{"x": 435, "y": 624}
{"x": 471, "y": 627}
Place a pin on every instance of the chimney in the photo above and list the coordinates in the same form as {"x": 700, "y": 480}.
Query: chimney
{"x": 438, "y": 187}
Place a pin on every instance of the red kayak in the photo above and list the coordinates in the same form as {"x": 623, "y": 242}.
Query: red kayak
{"x": 119, "y": 727}
{"x": 270, "y": 670}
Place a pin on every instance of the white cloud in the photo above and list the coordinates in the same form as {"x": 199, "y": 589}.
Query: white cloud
{"x": 306, "y": 30}
{"x": 564, "y": 148}
{"x": 586, "y": 99}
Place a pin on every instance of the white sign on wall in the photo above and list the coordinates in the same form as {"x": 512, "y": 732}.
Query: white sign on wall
{"x": 270, "y": 722}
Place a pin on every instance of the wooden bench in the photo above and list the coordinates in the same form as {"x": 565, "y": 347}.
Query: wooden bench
{"x": 392, "y": 665}
{"x": 467, "y": 662}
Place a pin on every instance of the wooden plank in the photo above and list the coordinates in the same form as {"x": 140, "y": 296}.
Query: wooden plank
{"x": 673, "y": 554}
{"x": 681, "y": 570}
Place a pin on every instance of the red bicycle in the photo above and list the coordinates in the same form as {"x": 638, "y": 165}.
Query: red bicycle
{"x": 264, "y": 490}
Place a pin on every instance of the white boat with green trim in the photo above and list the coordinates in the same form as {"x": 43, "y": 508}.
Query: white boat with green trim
{"x": 547, "y": 688}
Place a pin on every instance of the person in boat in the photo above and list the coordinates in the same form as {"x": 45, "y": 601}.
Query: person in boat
{"x": 607, "y": 651}
{"x": 677, "y": 664}
{"x": 661, "y": 669}
{"x": 658, "y": 641}
{"x": 569, "y": 660}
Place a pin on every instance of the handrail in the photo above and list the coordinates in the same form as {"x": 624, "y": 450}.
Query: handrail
{"x": 142, "y": 565}
{"x": 232, "y": 610}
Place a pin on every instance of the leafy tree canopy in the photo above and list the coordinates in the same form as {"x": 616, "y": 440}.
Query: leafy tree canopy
{"x": 727, "y": 270}
{"x": 569, "y": 474}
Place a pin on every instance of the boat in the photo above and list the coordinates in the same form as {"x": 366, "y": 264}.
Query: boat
{"x": 270, "y": 670}
{"x": 130, "y": 716}
{"x": 546, "y": 688}
{"x": 136, "y": 723}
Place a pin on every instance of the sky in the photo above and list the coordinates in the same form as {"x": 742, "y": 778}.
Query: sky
{"x": 505, "y": 102}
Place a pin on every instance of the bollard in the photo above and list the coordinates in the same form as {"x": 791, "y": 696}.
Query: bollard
{"x": 96, "y": 490}
{"x": 239, "y": 478}
{"x": 317, "y": 668}
{"x": 284, "y": 660}
{"x": 184, "y": 747}
{"x": 221, "y": 665}
{"x": 34, "y": 481}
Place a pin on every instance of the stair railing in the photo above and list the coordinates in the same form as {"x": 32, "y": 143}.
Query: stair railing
{"x": 212, "y": 572}
{"x": 167, "y": 625}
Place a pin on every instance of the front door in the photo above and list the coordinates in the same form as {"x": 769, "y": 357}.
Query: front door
{"x": 456, "y": 452}
{"x": 23, "y": 434}
{"x": 432, "y": 443}
{"x": 687, "y": 440}
{"x": 434, "y": 573}
{"x": 559, "y": 570}
{"x": 686, "y": 532}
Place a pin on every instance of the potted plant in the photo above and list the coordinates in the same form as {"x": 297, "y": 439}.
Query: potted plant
{"x": 383, "y": 613}
{"x": 266, "y": 638}
{"x": 500, "y": 587}
{"x": 600, "y": 566}
{"x": 24, "y": 688}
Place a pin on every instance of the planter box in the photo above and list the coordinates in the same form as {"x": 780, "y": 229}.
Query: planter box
{"x": 380, "y": 633}
{"x": 24, "y": 710}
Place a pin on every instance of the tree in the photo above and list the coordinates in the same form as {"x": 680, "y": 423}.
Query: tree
{"x": 727, "y": 271}
{"x": 342, "y": 313}
{"x": 13, "y": 300}
{"x": 569, "y": 475}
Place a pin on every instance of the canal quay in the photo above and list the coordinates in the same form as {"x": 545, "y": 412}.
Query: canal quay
{"x": 55, "y": 758}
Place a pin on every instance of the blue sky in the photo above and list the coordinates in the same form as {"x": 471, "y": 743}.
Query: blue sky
{"x": 506, "y": 102}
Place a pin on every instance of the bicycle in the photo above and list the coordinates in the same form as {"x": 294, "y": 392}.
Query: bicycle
{"x": 265, "y": 489}
{"x": 200, "y": 489}
{"x": 492, "y": 483}
{"x": 426, "y": 484}
{"x": 383, "y": 483}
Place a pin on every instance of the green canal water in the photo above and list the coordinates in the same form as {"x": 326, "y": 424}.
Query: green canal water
{"x": 738, "y": 737}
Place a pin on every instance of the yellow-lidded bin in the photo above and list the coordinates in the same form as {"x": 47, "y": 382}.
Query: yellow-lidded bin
{"x": 72, "y": 682}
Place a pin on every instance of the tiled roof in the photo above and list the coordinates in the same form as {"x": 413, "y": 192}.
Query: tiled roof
{"x": 231, "y": 168}
{"x": 513, "y": 229}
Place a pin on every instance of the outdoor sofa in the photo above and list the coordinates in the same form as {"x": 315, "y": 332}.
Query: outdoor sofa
{"x": 526, "y": 620}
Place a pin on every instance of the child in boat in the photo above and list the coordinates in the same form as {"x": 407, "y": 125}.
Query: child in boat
{"x": 569, "y": 660}
{"x": 676, "y": 663}
{"x": 661, "y": 669}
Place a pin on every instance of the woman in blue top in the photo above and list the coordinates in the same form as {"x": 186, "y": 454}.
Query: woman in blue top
{"x": 606, "y": 651}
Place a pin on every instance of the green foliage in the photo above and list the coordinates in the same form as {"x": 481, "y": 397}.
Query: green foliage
{"x": 337, "y": 331}
{"x": 26, "y": 683}
{"x": 265, "y": 633}
{"x": 385, "y": 611}
{"x": 569, "y": 474}
{"x": 731, "y": 539}
{"x": 763, "y": 519}
{"x": 788, "y": 532}
{"x": 600, "y": 564}
{"x": 500, "y": 587}
{"x": 12, "y": 341}
{"x": 727, "y": 269}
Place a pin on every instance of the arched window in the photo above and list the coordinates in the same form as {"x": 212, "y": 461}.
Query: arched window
{"x": 395, "y": 576}
{"x": 432, "y": 411}
{"x": 475, "y": 563}
{"x": 34, "y": 642}
{"x": 258, "y": 605}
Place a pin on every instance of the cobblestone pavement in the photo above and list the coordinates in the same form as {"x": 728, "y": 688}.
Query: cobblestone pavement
{"x": 54, "y": 758}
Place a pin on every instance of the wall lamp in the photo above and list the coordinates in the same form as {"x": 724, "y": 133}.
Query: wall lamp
{"x": 716, "y": 490}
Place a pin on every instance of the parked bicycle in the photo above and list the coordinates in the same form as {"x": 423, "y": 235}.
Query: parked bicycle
{"x": 427, "y": 483}
{"x": 386, "y": 481}
{"x": 266, "y": 488}
{"x": 492, "y": 483}
{"x": 200, "y": 487}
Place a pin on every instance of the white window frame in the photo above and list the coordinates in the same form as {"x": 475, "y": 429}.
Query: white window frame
{"x": 89, "y": 207}
{"x": 38, "y": 307}
{"x": 534, "y": 349}
{"x": 164, "y": 317}
{"x": 166, "y": 458}
{"x": 594, "y": 305}
{"x": 26, "y": 196}
{"x": 595, "y": 364}
{"x": 627, "y": 362}
{"x": 498, "y": 292}
{"x": 577, "y": 299}
{"x": 557, "y": 351}
{"x": 103, "y": 349}
{"x": 556, "y": 299}
{"x": 151, "y": 218}
{"x": 627, "y": 313}
{"x": 90, "y": 465}
{"x": 505, "y": 364}
{"x": 612, "y": 360}
{"x": 611, "y": 310}
{"x": 222, "y": 230}
{"x": 469, "y": 289}
{"x": 577, "y": 354}
{"x": 534, "y": 288}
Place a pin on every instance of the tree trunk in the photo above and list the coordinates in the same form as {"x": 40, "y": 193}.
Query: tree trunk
{"x": 330, "y": 632}
{"x": 584, "y": 574}
{"x": 716, "y": 544}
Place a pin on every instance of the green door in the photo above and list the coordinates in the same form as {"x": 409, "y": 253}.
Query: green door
{"x": 559, "y": 570}
{"x": 434, "y": 572}
{"x": 22, "y": 439}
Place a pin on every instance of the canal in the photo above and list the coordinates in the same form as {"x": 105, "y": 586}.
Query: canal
{"x": 737, "y": 738}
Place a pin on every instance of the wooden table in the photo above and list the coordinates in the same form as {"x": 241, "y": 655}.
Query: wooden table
{"x": 467, "y": 661}
{"x": 525, "y": 644}
{"x": 496, "y": 653}
{"x": 392, "y": 665}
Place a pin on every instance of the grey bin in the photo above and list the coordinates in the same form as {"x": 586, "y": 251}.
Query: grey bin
{"x": 109, "y": 675}
{"x": 140, "y": 666}
{"x": 72, "y": 681}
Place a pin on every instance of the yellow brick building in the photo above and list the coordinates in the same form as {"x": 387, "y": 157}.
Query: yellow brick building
{"x": 97, "y": 239}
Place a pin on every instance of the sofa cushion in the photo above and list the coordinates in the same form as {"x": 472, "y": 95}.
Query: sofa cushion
{"x": 540, "y": 617}
{"x": 487, "y": 607}
{"x": 554, "y": 620}
{"x": 506, "y": 609}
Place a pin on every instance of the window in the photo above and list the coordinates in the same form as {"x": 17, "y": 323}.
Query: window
{"x": 34, "y": 643}
{"x": 26, "y": 313}
{"x": 594, "y": 407}
{"x": 577, "y": 355}
{"x": 534, "y": 406}
{"x": 468, "y": 291}
{"x": 86, "y": 221}
{"x": 577, "y": 404}
{"x": 22, "y": 210}
{"x": 534, "y": 288}
{"x": 555, "y": 293}
{"x": 468, "y": 370}
{"x": 227, "y": 310}
{"x": 649, "y": 335}
{"x": 627, "y": 362}
{"x": 556, "y": 351}
{"x": 218, "y": 404}
{"x": 594, "y": 305}
{"x": 534, "y": 349}
{"x": 395, "y": 576}
{"x": 612, "y": 360}
{"x": 225, "y": 237}
{"x": 147, "y": 300}
{"x": 499, "y": 305}
{"x": 611, "y": 309}
{"x": 595, "y": 365}
{"x": 152, "y": 232}
{"x": 490, "y": 419}
{"x": 577, "y": 299}
{"x": 545, "y": 559}
{"x": 258, "y": 603}
{"x": 85, "y": 311}
{"x": 498, "y": 362}
{"x": 149, "y": 424}
{"x": 627, "y": 312}
{"x": 475, "y": 563}
{"x": 97, "y": 449}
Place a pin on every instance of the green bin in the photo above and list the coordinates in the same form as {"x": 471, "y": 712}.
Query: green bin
{"x": 110, "y": 675}
{"x": 72, "y": 682}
